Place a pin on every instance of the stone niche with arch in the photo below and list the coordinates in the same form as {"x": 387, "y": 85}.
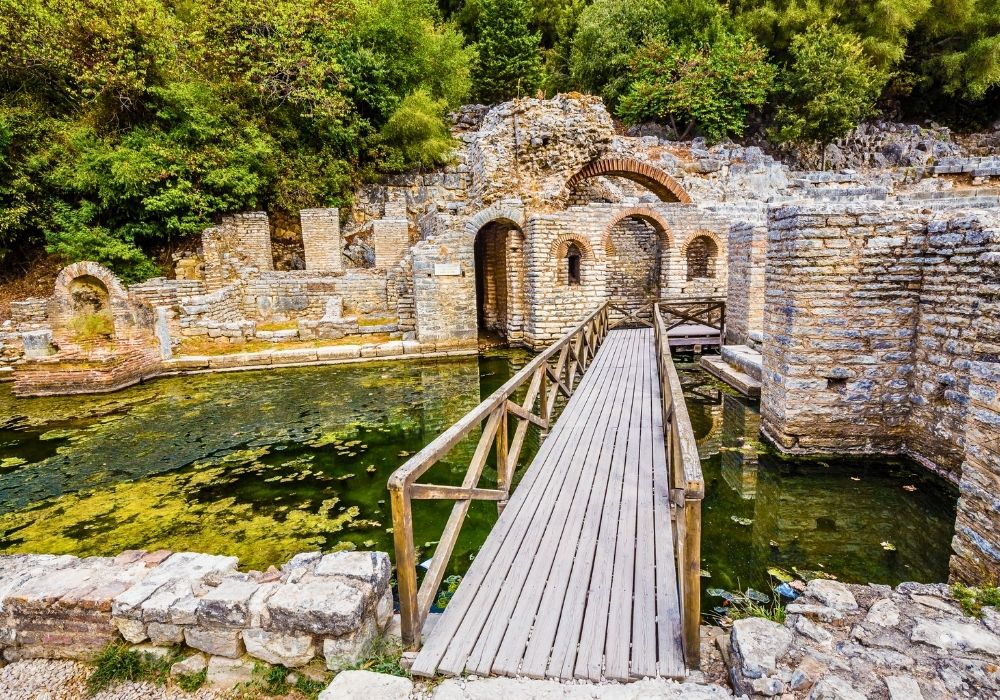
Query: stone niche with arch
{"x": 704, "y": 264}
{"x": 102, "y": 339}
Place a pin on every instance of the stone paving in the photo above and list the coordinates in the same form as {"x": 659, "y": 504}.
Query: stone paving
{"x": 854, "y": 642}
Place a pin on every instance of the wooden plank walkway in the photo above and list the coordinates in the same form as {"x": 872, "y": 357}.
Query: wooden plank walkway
{"x": 577, "y": 579}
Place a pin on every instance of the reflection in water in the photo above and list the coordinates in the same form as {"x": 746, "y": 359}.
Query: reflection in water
{"x": 256, "y": 464}
{"x": 876, "y": 519}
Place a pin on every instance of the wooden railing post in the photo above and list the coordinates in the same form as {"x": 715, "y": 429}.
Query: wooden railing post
{"x": 406, "y": 565}
{"x": 504, "y": 470}
{"x": 692, "y": 582}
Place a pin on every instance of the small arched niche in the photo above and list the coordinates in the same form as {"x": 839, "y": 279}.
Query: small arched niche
{"x": 90, "y": 317}
{"x": 571, "y": 256}
{"x": 574, "y": 264}
{"x": 702, "y": 257}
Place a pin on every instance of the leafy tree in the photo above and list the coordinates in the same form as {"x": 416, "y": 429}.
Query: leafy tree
{"x": 509, "y": 63}
{"x": 882, "y": 27}
{"x": 609, "y": 32}
{"x": 956, "y": 48}
{"x": 828, "y": 88}
{"x": 127, "y": 125}
{"x": 416, "y": 133}
{"x": 708, "y": 87}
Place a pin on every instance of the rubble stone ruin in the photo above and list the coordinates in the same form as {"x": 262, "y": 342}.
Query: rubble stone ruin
{"x": 864, "y": 302}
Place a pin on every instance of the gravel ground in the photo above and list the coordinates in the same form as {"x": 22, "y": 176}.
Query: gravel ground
{"x": 40, "y": 679}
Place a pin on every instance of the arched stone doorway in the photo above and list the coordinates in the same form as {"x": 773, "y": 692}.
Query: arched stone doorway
{"x": 499, "y": 264}
{"x": 637, "y": 245}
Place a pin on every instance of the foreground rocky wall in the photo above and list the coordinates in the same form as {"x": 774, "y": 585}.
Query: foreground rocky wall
{"x": 64, "y": 607}
{"x": 852, "y": 642}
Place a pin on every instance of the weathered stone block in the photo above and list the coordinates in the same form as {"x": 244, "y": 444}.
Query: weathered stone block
{"x": 291, "y": 650}
{"x": 218, "y": 642}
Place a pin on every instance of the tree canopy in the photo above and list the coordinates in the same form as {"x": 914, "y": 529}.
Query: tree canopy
{"x": 128, "y": 126}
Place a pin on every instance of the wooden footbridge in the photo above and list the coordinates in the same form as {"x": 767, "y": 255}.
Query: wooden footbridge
{"x": 593, "y": 567}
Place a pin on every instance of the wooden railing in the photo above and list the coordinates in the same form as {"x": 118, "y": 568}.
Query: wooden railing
{"x": 687, "y": 489}
{"x": 676, "y": 311}
{"x": 555, "y": 371}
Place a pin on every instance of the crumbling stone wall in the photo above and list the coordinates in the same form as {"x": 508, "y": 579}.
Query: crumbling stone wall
{"x": 238, "y": 245}
{"x": 532, "y": 147}
{"x": 872, "y": 317}
{"x": 977, "y": 553}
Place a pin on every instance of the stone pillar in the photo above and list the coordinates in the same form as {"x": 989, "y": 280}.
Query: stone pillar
{"x": 321, "y": 239}
{"x": 253, "y": 234}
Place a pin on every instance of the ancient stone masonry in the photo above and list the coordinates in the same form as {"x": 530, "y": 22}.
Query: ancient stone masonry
{"x": 880, "y": 337}
{"x": 863, "y": 298}
{"x": 60, "y": 607}
{"x": 855, "y": 642}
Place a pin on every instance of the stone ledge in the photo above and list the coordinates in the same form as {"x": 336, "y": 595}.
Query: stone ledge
{"x": 307, "y": 357}
{"x": 63, "y": 607}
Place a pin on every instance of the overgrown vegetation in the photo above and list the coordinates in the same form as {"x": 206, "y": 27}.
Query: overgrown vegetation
{"x": 127, "y": 127}
{"x": 384, "y": 656}
{"x": 974, "y": 599}
{"x": 118, "y": 663}
{"x": 737, "y": 605}
{"x": 90, "y": 327}
{"x": 273, "y": 681}
{"x": 190, "y": 682}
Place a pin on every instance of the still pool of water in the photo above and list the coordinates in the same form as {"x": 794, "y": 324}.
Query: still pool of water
{"x": 257, "y": 464}
{"x": 266, "y": 464}
{"x": 860, "y": 520}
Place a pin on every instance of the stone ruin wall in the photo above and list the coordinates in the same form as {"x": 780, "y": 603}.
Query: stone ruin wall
{"x": 62, "y": 607}
{"x": 881, "y": 336}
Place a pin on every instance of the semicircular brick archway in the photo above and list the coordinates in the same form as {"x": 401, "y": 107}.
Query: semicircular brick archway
{"x": 645, "y": 214}
{"x": 654, "y": 179}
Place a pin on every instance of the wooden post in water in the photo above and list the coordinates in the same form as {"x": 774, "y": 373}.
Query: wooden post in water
{"x": 406, "y": 566}
{"x": 692, "y": 582}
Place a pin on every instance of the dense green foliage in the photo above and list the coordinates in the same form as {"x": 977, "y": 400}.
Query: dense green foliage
{"x": 129, "y": 126}
{"x": 509, "y": 63}
{"x": 829, "y": 86}
{"x": 711, "y": 86}
{"x": 126, "y": 125}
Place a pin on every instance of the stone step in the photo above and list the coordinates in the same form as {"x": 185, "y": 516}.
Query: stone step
{"x": 743, "y": 383}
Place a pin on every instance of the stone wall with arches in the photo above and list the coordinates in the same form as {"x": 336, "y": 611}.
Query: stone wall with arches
{"x": 554, "y": 306}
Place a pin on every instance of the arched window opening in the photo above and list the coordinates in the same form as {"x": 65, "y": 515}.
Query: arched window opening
{"x": 574, "y": 256}
{"x": 701, "y": 257}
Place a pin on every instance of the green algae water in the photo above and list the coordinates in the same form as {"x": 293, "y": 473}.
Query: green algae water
{"x": 265, "y": 464}
{"x": 260, "y": 465}
{"x": 859, "y": 520}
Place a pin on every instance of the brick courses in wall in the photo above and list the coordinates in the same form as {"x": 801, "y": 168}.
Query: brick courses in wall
{"x": 881, "y": 336}
{"x": 321, "y": 239}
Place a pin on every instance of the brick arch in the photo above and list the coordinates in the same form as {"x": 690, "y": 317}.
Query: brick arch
{"x": 654, "y": 179}
{"x": 89, "y": 269}
{"x": 559, "y": 246}
{"x": 703, "y": 233}
{"x": 720, "y": 250}
{"x": 503, "y": 212}
{"x": 645, "y": 214}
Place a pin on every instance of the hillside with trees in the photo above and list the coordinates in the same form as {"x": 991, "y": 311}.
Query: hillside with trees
{"x": 128, "y": 127}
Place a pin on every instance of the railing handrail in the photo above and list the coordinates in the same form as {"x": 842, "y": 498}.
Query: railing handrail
{"x": 687, "y": 488}
{"x": 573, "y": 353}
{"x": 423, "y": 460}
